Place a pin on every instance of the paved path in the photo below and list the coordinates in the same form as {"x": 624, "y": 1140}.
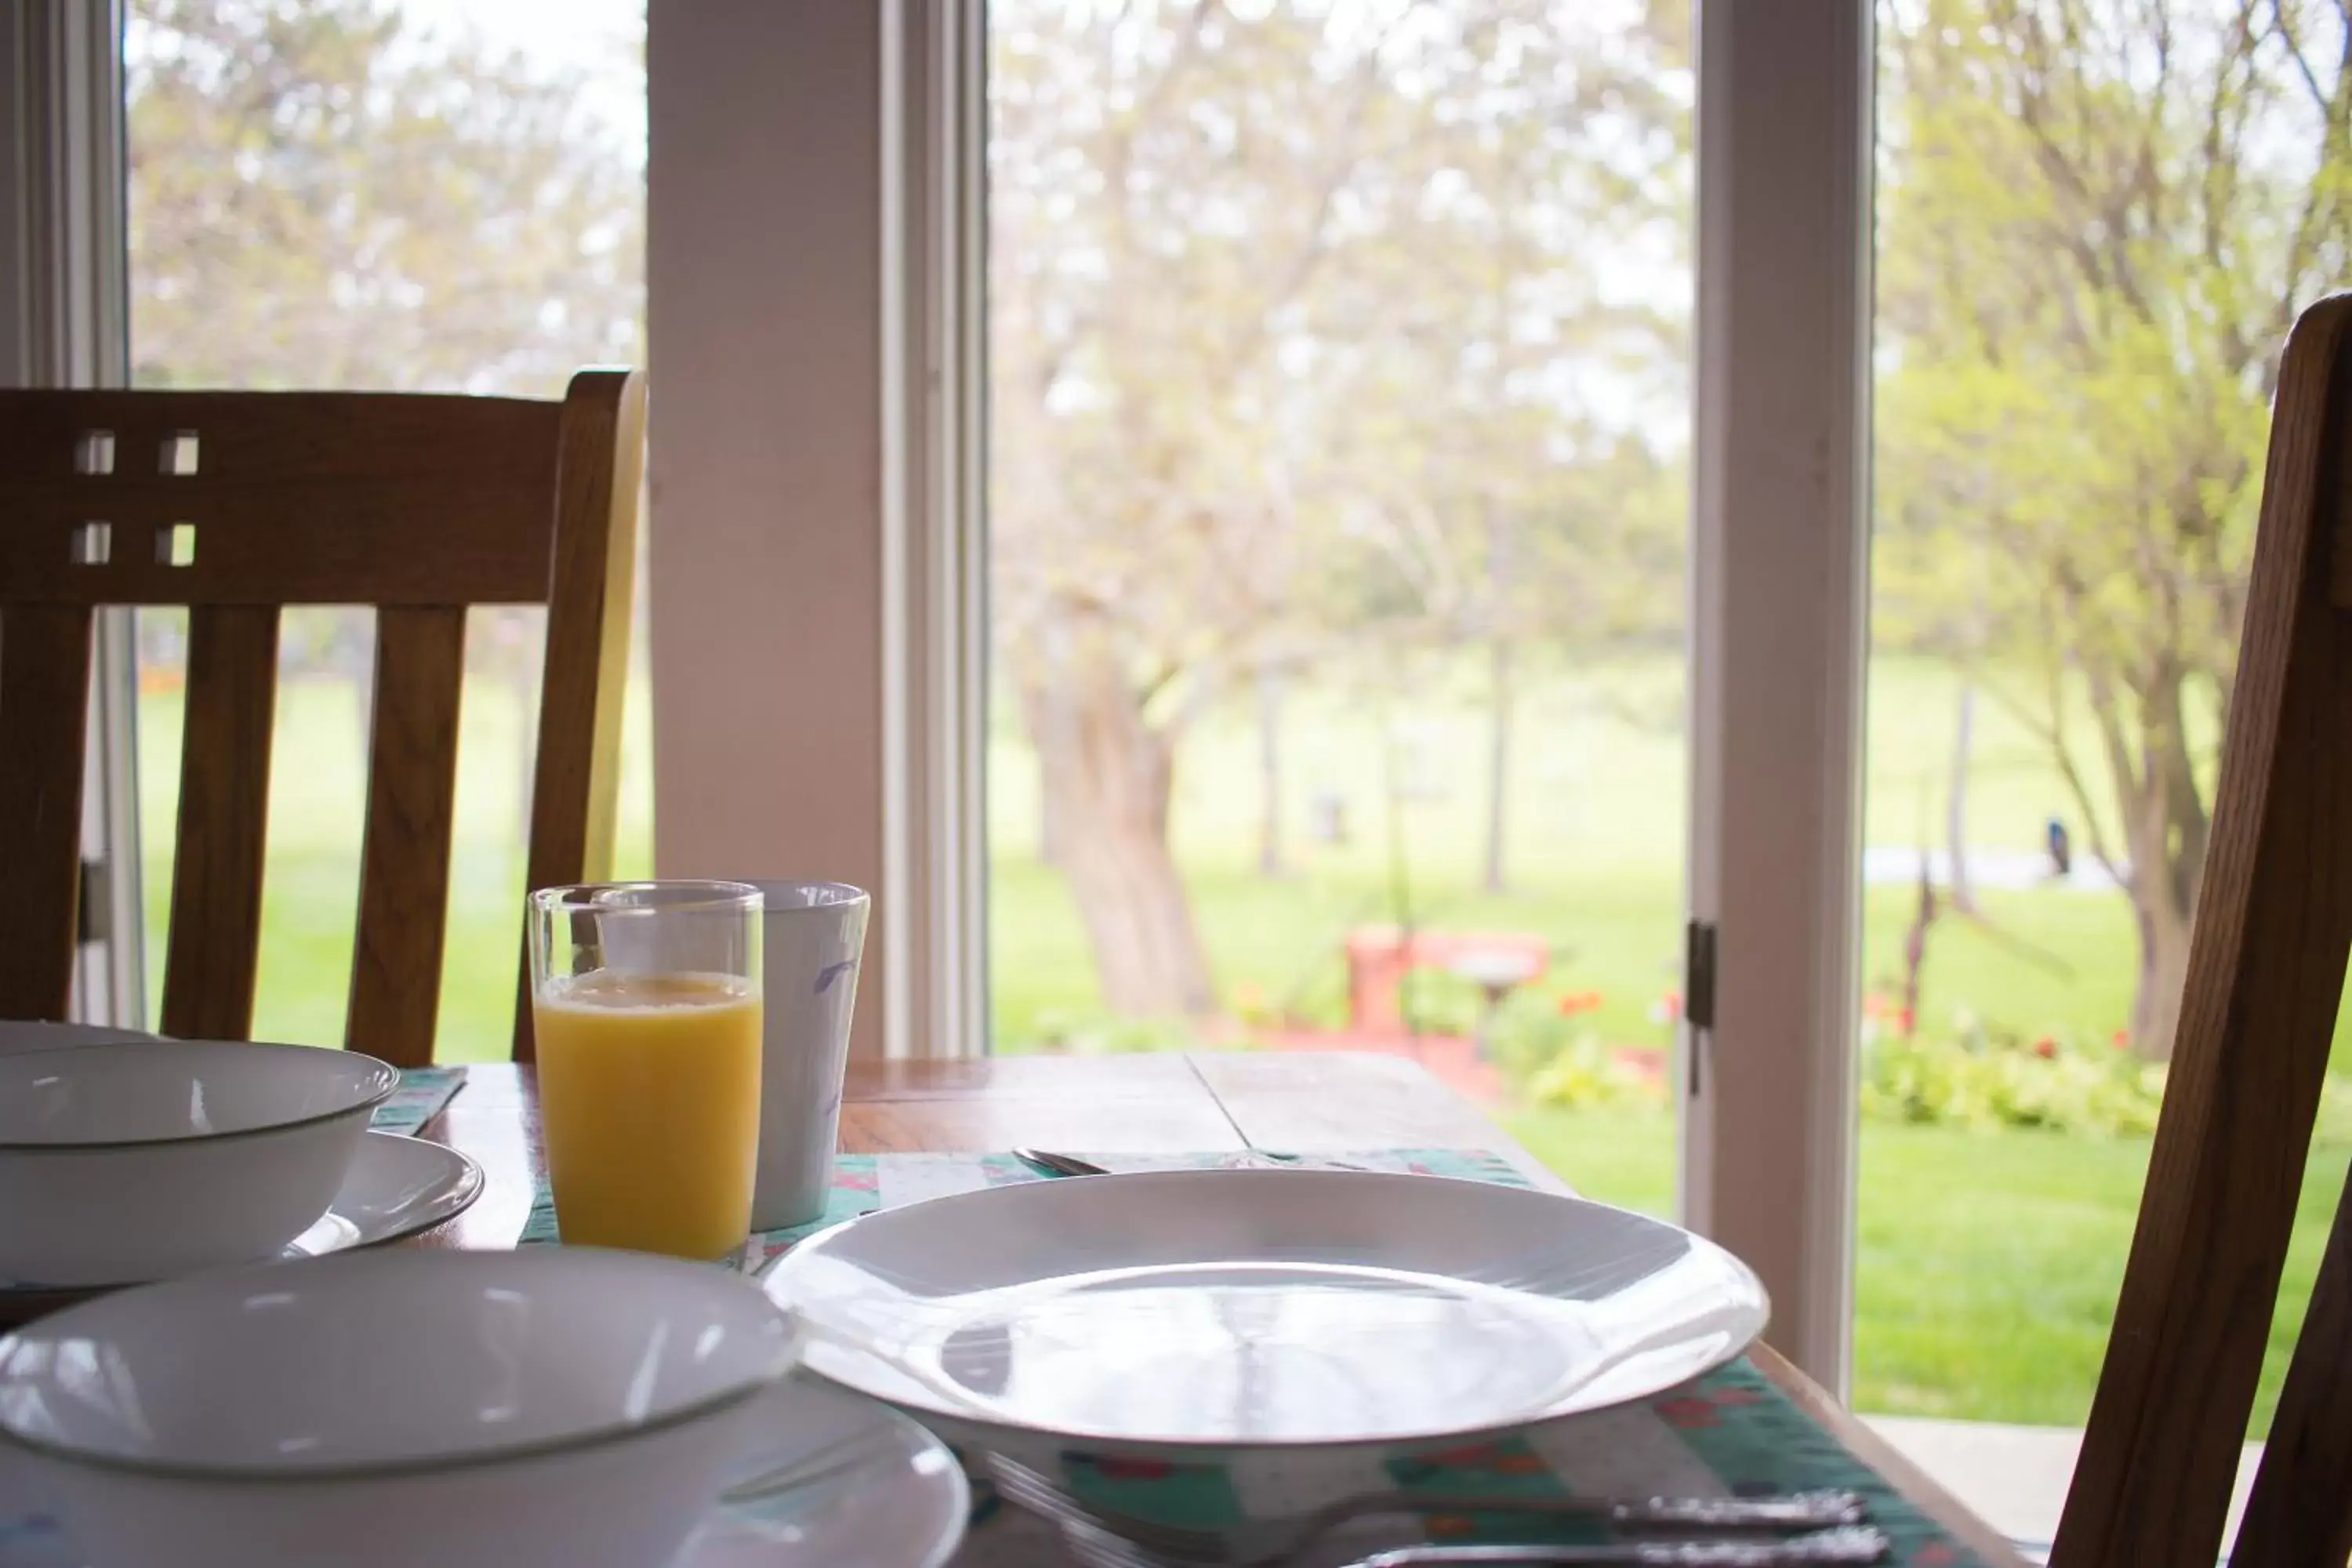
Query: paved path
{"x": 2014, "y": 1478}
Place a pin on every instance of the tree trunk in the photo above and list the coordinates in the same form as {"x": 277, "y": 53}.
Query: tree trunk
{"x": 1498, "y": 763}
{"x": 2163, "y": 967}
{"x": 1956, "y": 821}
{"x": 1269, "y": 773}
{"x": 1107, "y": 775}
{"x": 2166, "y": 832}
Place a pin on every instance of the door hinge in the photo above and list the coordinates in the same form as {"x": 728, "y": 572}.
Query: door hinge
{"x": 95, "y": 921}
{"x": 1699, "y": 990}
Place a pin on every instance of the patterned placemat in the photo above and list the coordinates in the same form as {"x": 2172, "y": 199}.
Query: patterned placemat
{"x": 422, "y": 1093}
{"x": 1730, "y": 1432}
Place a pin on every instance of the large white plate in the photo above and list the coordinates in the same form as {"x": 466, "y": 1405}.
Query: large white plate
{"x": 394, "y": 1187}
{"x": 1234, "y": 1308}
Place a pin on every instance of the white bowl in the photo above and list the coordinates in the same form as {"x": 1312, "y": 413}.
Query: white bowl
{"x": 24, "y": 1034}
{"x": 552, "y": 1405}
{"x": 135, "y": 1160}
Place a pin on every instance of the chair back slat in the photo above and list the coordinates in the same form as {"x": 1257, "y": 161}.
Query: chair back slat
{"x": 420, "y": 668}
{"x": 2265, "y": 974}
{"x": 44, "y": 712}
{"x": 2299, "y": 1513}
{"x": 599, "y": 469}
{"x": 235, "y": 504}
{"x": 214, "y": 940}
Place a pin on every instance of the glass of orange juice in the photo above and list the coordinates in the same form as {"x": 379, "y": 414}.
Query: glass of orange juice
{"x": 645, "y": 1009}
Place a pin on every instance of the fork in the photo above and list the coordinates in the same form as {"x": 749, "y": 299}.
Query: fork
{"x": 828, "y": 1463}
{"x": 1846, "y": 1545}
{"x": 1048, "y": 1162}
{"x": 1284, "y": 1540}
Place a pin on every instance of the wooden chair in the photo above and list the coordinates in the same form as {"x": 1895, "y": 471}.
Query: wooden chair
{"x": 2265, "y": 977}
{"x": 238, "y": 504}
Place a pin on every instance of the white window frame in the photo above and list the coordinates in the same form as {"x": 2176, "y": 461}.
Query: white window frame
{"x": 1778, "y": 642}
{"x": 813, "y": 280}
{"x": 65, "y": 322}
{"x": 815, "y": 273}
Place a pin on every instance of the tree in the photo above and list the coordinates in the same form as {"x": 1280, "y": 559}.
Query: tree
{"x": 324, "y": 196}
{"x": 1256, "y": 273}
{"x": 2100, "y": 217}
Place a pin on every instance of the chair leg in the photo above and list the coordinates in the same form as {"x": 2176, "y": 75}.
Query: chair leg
{"x": 2299, "y": 1514}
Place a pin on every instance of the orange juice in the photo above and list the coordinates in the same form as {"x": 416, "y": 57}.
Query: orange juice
{"x": 649, "y": 1102}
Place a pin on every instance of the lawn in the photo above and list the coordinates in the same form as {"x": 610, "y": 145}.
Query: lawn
{"x": 1987, "y": 1263}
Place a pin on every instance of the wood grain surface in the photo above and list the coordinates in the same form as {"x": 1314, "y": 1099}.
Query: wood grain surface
{"x": 44, "y": 709}
{"x": 412, "y": 793}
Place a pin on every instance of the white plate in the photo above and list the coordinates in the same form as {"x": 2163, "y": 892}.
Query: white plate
{"x": 393, "y": 1187}
{"x": 1238, "y": 1307}
{"x": 896, "y": 1499}
{"x": 396, "y": 1187}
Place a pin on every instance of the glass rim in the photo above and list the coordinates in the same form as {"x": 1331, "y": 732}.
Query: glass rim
{"x": 692, "y": 895}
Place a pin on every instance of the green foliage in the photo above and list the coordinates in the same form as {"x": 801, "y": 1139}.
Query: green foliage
{"x": 2096, "y": 224}
{"x": 1973, "y": 1083}
{"x": 1582, "y": 1074}
{"x": 324, "y": 194}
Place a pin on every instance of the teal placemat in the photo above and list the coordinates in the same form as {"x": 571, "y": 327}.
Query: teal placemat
{"x": 1730, "y": 1433}
{"x": 422, "y": 1093}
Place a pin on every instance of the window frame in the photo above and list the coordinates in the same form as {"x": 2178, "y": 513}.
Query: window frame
{"x": 814, "y": 271}
{"x": 65, "y": 323}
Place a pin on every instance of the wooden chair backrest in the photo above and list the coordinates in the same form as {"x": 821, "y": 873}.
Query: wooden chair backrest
{"x": 2265, "y": 977}
{"x": 419, "y": 506}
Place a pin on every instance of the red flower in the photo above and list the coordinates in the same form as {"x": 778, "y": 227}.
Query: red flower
{"x": 2122, "y": 1041}
{"x": 1688, "y": 1413}
{"x": 1112, "y": 1469}
{"x": 2045, "y": 1048}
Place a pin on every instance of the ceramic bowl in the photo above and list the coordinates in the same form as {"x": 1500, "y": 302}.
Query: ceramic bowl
{"x": 552, "y": 1405}
{"x": 21, "y": 1035}
{"x": 135, "y": 1160}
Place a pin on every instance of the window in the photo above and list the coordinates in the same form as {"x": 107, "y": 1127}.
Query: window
{"x": 411, "y": 197}
{"x": 1339, "y": 455}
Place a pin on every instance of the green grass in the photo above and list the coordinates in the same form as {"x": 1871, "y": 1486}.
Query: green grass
{"x": 1987, "y": 1263}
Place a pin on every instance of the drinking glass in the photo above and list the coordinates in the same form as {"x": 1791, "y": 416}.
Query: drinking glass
{"x": 647, "y": 1009}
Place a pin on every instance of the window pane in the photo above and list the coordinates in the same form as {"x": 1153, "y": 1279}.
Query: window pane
{"x": 2095, "y": 224}
{"x": 418, "y": 195}
{"x": 1339, "y": 458}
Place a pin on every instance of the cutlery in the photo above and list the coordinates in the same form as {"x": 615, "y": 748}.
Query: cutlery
{"x": 1147, "y": 1542}
{"x": 1048, "y": 1163}
{"x": 830, "y": 1462}
{"x": 1845, "y": 1544}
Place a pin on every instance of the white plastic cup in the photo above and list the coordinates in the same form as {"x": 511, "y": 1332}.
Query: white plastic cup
{"x": 815, "y": 938}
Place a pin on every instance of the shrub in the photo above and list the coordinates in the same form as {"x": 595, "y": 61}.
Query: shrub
{"x": 1984, "y": 1083}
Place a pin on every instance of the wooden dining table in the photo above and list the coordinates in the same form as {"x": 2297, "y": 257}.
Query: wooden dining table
{"x": 1302, "y": 1102}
